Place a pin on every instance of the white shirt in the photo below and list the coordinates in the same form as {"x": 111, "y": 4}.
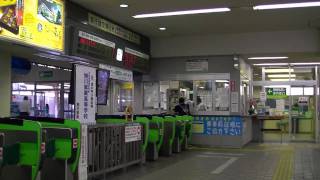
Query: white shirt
{"x": 24, "y": 106}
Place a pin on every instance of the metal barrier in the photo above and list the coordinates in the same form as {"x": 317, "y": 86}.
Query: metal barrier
{"x": 112, "y": 147}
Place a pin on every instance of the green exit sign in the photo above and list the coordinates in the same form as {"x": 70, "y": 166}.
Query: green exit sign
{"x": 276, "y": 93}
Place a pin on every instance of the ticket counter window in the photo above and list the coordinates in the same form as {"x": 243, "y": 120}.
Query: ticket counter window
{"x": 123, "y": 95}
{"x": 222, "y": 96}
{"x": 204, "y": 96}
{"x": 151, "y": 96}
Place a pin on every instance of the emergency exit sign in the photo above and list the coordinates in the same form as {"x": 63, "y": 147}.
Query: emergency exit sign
{"x": 276, "y": 93}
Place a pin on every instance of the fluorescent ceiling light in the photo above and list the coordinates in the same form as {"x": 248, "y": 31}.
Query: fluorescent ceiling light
{"x": 162, "y": 28}
{"x": 124, "y": 5}
{"x": 310, "y": 63}
{"x": 282, "y": 79}
{"x": 278, "y": 70}
{"x": 289, "y": 5}
{"x": 222, "y": 81}
{"x": 272, "y": 64}
{"x": 281, "y": 75}
{"x": 187, "y": 12}
{"x": 270, "y": 57}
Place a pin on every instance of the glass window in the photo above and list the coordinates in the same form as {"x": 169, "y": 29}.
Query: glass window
{"x": 123, "y": 92}
{"x": 297, "y": 91}
{"x": 204, "y": 96}
{"x": 22, "y": 86}
{"x": 308, "y": 91}
{"x": 222, "y": 95}
{"x": 49, "y": 86}
{"x": 151, "y": 95}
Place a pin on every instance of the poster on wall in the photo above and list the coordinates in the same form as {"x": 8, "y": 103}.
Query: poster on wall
{"x": 85, "y": 94}
{"x": 197, "y": 65}
{"x": 35, "y": 22}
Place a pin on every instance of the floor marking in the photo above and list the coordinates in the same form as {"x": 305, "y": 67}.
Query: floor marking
{"x": 224, "y": 154}
{"x": 221, "y": 168}
{"x": 214, "y": 156}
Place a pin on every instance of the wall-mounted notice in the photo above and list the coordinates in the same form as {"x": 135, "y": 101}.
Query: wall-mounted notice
{"x": 83, "y": 160}
{"x": 220, "y": 125}
{"x": 36, "y": 22}
{"x": 263, "y": 96}
{"x": 133, "y": 133}
{"x": 234, "y": 102}
{"x": 118, "y": 73}
{"x": 232, "y": 85}
{"x": 85, "y": 94}
{"x": 197, "y": 65}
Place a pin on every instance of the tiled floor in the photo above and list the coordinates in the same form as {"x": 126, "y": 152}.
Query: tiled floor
{"x": 254, "y": 162}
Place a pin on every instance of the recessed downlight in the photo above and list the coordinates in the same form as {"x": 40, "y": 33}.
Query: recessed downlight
{"x": 162, "y": 28}
{"x": 124, "y": 5}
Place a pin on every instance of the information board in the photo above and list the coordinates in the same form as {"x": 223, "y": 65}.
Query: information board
{"x": 219, "y": 125}
{"x": 276, "y": 93}
{"x": 135, "y": 59}
{"x": 35, "y": 22}
{"x": 85, "y": 107}
{"x": 94, "y": 46}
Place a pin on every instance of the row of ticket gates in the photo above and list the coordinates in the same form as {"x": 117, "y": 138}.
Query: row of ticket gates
{"x": 33, "y": 148}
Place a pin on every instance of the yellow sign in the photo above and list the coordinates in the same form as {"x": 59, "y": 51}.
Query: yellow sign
{"x": 127, "y": 85}
{"x": 36, "y": 22}
{"x": 197, "y": 128}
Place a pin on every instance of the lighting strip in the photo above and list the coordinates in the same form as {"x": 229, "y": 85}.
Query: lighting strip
{"x": 309, "y": 63}
{"x": 272, "y": 64}
{"x": 288, "y": 5}
{"x": 178, "y": 13}
{"x": 281, "y": 75}
{"x": 278, "y": 80}
{"x": 268, "y": 58}
{"x": 278, "y": 70}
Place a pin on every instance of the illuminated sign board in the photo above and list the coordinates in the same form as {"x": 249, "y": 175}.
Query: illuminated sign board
{"x": 36, "y": 22}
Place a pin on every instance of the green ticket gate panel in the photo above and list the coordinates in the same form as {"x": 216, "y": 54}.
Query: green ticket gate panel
{"x": 168, "y": 136}
{"x": 180, "y": 134}
{"x": 21, "y": 149}
{"x": 188, "y": 131}
{"x": 62, "y": 147}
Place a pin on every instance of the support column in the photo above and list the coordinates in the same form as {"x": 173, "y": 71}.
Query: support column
{"x": 5, "y": 84}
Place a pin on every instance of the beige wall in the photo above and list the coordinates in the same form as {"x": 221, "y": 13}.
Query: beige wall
{"x": 5, "y": 84}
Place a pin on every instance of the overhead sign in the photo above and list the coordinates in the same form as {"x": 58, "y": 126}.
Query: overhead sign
{"x": 197, "y": 65}
{"x": 85, "y": 105}
{"x": 93, "y": 46}
{"x": 276, "y": 93}
{"x": 118, "y": 73}
{"x": 35, "y": 22}
{"x": 109, "y": 27}
{"x": 135, "y": 59}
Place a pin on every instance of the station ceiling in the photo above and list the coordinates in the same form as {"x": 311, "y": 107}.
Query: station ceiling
{"x": 241, "y": 18}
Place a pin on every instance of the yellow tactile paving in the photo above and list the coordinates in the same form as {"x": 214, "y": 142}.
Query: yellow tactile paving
{"x": 284, "y": 170}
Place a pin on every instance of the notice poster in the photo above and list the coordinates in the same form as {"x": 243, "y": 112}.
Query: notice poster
{"x": 220, "y": 125}
{"x": 85, "y": 96}
{"x": 133, "y": 133}
{"x": 35, "y": 22}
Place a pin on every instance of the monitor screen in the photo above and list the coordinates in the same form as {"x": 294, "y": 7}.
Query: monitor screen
{"x": 102, "y": 89}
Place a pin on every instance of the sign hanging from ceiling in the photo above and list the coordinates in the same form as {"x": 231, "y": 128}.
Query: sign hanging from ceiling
{"x": 135, "y": 59}
{"x": 109, "y": 27}
{"x": 93, "y": 46}
{"x": 35, "y": 22}
{"x": 276, "y": 93}
{"x": 118, "y": 73}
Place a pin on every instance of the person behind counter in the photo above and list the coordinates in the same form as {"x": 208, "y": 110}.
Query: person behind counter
{"x": 182, "y": 108}
{"x": 200, "y": 105}
{"x": 24, "y": 107}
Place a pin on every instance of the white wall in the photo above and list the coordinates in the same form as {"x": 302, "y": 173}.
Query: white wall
{"x": 5, "y": 84}
{"x": 244, "y": 43}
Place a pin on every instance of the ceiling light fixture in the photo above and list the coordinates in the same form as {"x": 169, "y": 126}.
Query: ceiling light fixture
{"x": 288, "y": 5}
{"x": 272, "y": 64}
{"x": 124, "y": 5}
{"x": 162, "y": 28}
{"x": 222, "y": 81}
{"x": 187, "y": 12}
{"x": 281, "y": 75}
{"x": 278, "y": 80}
{"x": 309, "y": 63}
{"x": 268, "y": 58}
{"x": 278, "y": 70}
